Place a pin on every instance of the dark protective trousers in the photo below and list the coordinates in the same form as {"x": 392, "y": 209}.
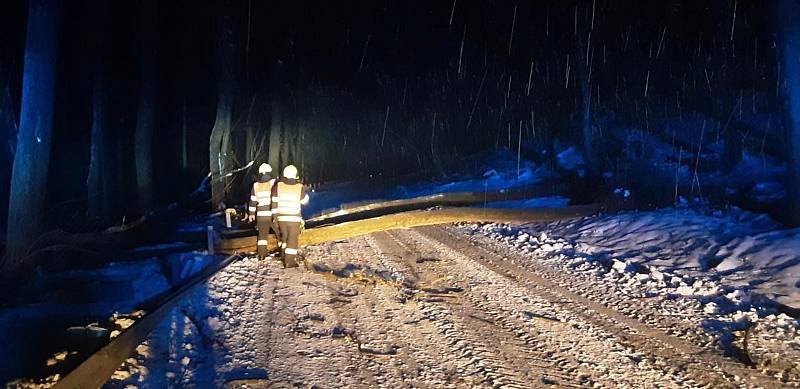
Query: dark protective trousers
{"x": 290, "y": 234}
{"x": 263, "y": 224}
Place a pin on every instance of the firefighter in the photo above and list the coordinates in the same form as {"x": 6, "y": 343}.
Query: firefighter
{"x": 260, "y": 207}
{"x": 291, "y": 196}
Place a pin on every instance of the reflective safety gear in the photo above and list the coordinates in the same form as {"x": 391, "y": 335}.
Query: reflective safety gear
{"x": 261, "y": 196}
{"x": 261, "y": 206}
{"x": 265, "y": 168}
{"x": 290, "y": 172}
{"x": 290, "y": 234}
{"x": 290, "y": 199}
{"x": 290, "y": 196}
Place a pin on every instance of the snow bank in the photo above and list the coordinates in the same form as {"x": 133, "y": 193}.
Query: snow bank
{"x": 735, "y": 250}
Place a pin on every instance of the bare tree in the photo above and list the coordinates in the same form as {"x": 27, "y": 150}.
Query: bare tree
{"x": 790, "y": 31}
{"x": 32, "y": 154}
{"x": 145, "y": 117}
{"x": 583, "y": 45}
{"x": 99, "y": 185}
{"x": 276, "y": 136}
{"x": 8, "y": 137}
{"x": 97, "y": 181}
{"x": 219, "y": 141}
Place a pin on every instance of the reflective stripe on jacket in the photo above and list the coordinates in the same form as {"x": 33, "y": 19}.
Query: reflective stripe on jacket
{"x": 260, "y": 198}
{"x": 290, "y": 199}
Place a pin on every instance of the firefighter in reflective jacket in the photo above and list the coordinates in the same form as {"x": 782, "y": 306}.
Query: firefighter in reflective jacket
{"x": 291, "y": 195}
{"x": 260, "y": 207}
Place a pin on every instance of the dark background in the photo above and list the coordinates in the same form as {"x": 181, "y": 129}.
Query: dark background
{"x": 341, "y": 65}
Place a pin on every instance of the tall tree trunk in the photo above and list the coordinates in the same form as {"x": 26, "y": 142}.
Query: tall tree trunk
{"x": 145, "y": 117}
{"x": 583, "y": 68}
{"x": 8, "y": 127}
{"x": 32, "y": 156}
{"x": 790, "y": 29}
{"x": 275, "y": 137}
{"x": 97, "y": 182}
{"x": 250, "y": 145}
{"x": 292, "y": 142}
{"x": 218, "y": 153}
{"x": 220, "y": 135}
{"x": 184, "y": 139}
{"x": 8, "y": 142}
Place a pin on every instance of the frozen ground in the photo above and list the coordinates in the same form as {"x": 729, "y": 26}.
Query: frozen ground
{"x": 468, "y": 306}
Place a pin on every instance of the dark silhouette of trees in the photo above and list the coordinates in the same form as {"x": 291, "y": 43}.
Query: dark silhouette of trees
{"x": 28, "y": 194}
{"x": 220, "y": 139}
{"x": 790, "y": 31}
{"x": 146, "y": 109}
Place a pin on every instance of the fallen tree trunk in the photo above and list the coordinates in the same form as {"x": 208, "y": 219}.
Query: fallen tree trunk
{"x": 455, "y": 199}
{"x": 421, "y": 218}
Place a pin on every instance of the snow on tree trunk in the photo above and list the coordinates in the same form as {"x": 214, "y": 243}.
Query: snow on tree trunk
{"x": 219, "y": 141}
{"x": 145, "y": 118}
{"x": 29, "y": 173}
{"x": 787, "y": 11}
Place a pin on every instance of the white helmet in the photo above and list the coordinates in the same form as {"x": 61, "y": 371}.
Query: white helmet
{"x": 264, "y": 168}
{"x": 290, "y": 172}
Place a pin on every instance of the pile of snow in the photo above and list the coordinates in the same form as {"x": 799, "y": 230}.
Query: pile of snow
{"x": 735, "y": 249}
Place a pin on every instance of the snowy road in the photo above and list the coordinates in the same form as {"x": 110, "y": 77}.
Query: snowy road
{"x": 426, "y": 307}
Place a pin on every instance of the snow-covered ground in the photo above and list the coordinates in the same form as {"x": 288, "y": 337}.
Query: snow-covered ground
{"x": 729, "y": 278}
{"x": 727, "y": 270}
{"x": 459, "y": 307}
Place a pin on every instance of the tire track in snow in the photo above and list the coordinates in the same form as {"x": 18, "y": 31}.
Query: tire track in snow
{"x": 488, "y": 344}
{"x": 702, "y": 367}
{"x": 581, "y": 350}
{"x": 418, "y": 361}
